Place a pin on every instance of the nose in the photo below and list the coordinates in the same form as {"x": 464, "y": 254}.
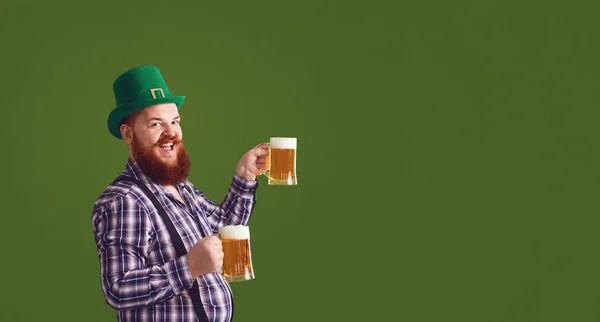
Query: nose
{"x": 169, "y": 131}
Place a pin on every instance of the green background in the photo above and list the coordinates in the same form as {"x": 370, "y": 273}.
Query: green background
{"x": 447, "y": 151}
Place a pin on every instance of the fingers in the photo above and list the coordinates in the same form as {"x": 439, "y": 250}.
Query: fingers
{"x": 261, "y": 163}
{"x": 216, "y": 251}
{"x": 218, "y": 264}
{"x": 206, "y": 256}
{"x": 218, "y": 256}
{"x": 261, "y": 150}
{"x": 212, "y": 240}
{"x": 254, "y": 162}
{"x": 257, "y": 169}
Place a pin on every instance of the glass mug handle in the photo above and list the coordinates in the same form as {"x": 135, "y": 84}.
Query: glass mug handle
{"x": 267, "y": 169}
{"x": 220, "y": 270}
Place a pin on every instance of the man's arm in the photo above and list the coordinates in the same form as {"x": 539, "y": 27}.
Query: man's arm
{"x": 241, "y": 197}
{"x": 235, "y": 209}
{"x": 123, "y": 235}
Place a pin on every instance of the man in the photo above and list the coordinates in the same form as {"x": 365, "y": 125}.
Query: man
{"x": 142, "y": 276}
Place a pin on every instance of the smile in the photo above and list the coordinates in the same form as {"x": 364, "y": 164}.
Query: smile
{"x": 167, "y": 146}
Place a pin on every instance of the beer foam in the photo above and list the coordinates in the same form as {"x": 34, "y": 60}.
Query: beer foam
{"x": 235, "y": 232}
{"x": 283, "y": 143}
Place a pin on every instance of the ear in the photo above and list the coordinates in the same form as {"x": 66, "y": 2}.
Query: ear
{"x": 126, "y": 133}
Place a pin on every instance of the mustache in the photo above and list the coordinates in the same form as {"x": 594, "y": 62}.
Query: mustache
{"x": 168, "y": 140}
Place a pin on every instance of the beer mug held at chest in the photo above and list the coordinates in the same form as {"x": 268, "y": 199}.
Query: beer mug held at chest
{"x": 237, "y": 260}
{"x": 281, "y": 163}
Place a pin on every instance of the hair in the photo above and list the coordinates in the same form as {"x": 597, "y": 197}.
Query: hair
{"x": 130, "y": 119}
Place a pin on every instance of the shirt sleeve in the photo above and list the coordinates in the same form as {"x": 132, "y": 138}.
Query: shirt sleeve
{"x": 235, "y": 209}
{"x": 123, "y": 235}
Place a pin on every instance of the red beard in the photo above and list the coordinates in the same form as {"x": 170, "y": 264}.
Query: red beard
{"x": 158, "y": 171}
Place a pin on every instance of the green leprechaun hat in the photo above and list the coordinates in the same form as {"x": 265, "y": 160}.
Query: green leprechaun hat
{"x": 136, "y": 89}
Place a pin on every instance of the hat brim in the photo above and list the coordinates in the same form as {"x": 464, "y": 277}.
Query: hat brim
{"x": 122, "y": 111}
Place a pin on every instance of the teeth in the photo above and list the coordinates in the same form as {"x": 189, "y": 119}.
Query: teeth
{"x": 167, "y": 144}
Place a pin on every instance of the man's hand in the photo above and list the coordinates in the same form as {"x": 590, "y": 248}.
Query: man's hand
{"x": 253, "y": 163}
{"x": 206, "y": 256}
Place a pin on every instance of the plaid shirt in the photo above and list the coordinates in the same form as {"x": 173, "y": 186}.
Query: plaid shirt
{"x": 141, "y": 276}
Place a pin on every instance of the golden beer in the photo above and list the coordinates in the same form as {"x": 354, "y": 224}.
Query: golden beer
{"x": 237, "y": 260}
{"x": 282, "y": 162}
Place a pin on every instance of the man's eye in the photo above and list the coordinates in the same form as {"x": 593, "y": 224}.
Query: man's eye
{"x": 175, "y": 122}
{"x": 155, "y": 124}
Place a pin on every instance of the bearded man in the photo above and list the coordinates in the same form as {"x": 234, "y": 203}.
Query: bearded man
{"x": 155, "y": 232}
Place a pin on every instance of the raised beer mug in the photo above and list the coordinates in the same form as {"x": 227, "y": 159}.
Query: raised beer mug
{"x": 237, "y": 258}
{"x": 281, "y": 162}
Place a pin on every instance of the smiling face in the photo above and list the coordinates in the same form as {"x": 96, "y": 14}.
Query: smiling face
{"x": 154, "y": 138}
